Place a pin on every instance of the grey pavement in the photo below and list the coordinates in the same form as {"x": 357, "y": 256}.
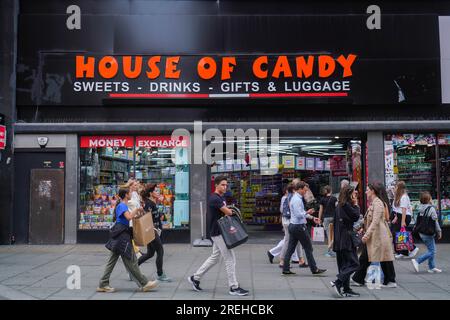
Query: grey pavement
{"x": 39, "y": 272}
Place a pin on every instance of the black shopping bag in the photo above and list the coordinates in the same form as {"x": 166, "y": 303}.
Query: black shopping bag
{"x": 232, "y": 230}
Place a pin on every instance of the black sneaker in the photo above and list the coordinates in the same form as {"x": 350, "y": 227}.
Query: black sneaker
{"x": 195, "y": 283}
{"x": 287, "y": 273}
{"x": 319, "y": 271}
{"x": 350, "y": 293}
{"x": 238, "y": 292}
{"x": 270, "y": 256}
{"x": 337, "y": 288}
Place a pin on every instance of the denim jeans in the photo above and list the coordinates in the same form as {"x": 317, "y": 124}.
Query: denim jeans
{"x": 429, "y": 242}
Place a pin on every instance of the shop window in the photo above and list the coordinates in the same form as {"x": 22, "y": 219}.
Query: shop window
{"x": 154, "y": 164}
{"x": 317, "y": 161}
{"x": 411, "y": 158}
{"x": 444, "y": 177}
{"x": 105, "y": 164}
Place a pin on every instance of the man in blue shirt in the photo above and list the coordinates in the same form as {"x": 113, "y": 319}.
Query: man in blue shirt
{"x": 298, "y": 230}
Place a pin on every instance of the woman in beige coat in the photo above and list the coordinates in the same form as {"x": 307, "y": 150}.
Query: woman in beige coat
{"x": 377, "y": 236}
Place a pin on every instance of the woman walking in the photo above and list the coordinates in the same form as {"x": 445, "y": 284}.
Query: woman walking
{"x": 346, "y": 214}
{"x": 120, "y": 246}
{"x": 428, "y": 227}
{"x": 402, "y": 216}
{"x": 377, "y": 236}
{"x": 386, "y": 266}
{"x": 150, "y": 197}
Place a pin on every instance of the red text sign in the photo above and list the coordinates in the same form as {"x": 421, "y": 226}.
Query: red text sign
{"x": 106, "y": 141}
{"x": 162, "y": 142}
{"x": 2, "y": 137}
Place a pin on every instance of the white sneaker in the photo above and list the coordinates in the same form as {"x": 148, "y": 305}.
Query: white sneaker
{"x": 415, "y": 264}
{"x": 355, "y": 284}
{"x": 413, "y": 253}
{"x": 434, "y": 270}
{"x": 389, "y": 285}
{"x": 399, "y": 256}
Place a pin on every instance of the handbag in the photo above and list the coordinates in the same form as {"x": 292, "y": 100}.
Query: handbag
{"x": 404, "y": 240}
{"x": 356, "y": 238}
{"x": 232, "y": 230}
{"x": 318, "y": 234}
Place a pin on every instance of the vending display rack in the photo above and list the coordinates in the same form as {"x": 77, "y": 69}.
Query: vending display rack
{"x": 444, "y": 158}
{"x": 415, "y": 166}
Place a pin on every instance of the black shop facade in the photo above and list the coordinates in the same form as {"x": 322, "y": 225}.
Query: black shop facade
{"x": 327, "y": 109}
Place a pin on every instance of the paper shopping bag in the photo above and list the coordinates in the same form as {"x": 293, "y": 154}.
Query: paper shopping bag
{"x": 143, "y": 230}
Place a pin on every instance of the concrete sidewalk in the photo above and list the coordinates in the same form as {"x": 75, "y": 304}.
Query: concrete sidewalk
{"x": 39, "y": 272}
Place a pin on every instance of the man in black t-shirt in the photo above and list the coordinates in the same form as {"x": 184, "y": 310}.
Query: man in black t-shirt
{"x": 217, "y": 207}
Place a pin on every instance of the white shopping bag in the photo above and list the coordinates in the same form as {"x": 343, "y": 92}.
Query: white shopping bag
{"x": 318, "y": 234}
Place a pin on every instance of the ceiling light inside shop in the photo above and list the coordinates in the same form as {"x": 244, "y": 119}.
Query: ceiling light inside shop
{"x": 336, "y": 137}
{"x": 333, "y": 146}
{"x": 304, "y": 141}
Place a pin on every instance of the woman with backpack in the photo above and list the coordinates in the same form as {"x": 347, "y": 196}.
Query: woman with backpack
{"x": 402, "y": 215}
{"x": 427, "y": 227}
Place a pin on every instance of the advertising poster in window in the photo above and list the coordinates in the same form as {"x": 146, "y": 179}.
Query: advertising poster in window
{"x": 310, "y": 163}
{"x": 288, "y": 162}
{"x": 300, "y": 163}
{"x": 319, "y": 164}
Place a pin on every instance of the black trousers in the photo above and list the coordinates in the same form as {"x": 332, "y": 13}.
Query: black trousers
{"x": 347, "y": 262}
{"x": 299, "y": 232}
{"x": 386, "y": 266}
{"x": 152, "y": 247}
{"x": 396, "y": 228}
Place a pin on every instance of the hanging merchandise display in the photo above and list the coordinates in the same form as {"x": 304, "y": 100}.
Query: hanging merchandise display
{"x": 414, "y": 159}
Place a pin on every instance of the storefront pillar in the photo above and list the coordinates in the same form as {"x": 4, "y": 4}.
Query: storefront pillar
{"x": 375, "y": 156}
{"x": 199, "y": 187}
{"x": 71, "y": 184}
{"x": 9, "y": 10}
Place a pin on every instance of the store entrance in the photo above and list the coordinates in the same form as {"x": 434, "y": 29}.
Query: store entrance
{"x": 319, "y": 161}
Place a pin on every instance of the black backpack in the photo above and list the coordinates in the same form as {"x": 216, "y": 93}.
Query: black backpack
{"x": 425, "y": 223}
{"x": 286, "y": 209}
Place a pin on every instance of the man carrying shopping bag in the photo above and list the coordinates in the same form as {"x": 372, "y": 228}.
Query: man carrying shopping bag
{"x": 217, "y": 207}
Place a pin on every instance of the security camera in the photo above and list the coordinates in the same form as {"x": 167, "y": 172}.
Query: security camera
{"x": 42, "y": 141}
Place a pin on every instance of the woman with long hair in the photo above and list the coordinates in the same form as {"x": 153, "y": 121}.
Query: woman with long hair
{"x": 377, "y": 236}
{"x": 150, "y": 197}
{"x": 382, "y": 237}
{"x": 346, "y": 214}
{"x": 402, "y": 215}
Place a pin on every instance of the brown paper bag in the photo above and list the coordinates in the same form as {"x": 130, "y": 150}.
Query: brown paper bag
{"x": 143, "y": 230}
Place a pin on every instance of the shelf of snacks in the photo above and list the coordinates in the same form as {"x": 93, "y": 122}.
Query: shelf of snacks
{"x": 97, "y": 207}
{"x": 415, "y": 165}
